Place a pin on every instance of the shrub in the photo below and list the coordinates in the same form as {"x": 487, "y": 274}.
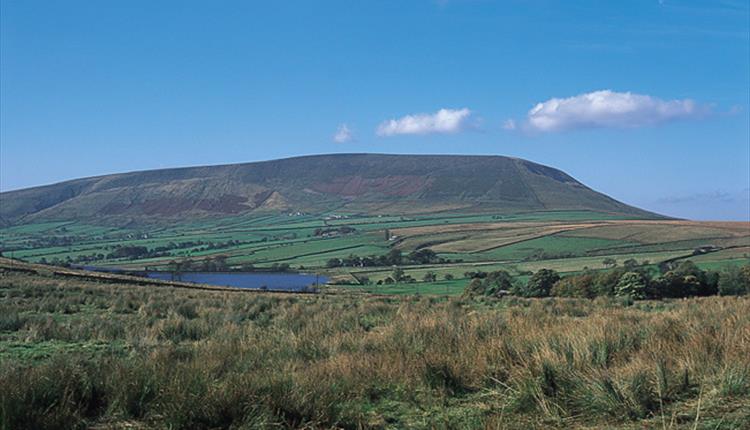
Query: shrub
{"x": 11, "y": 321}
{"x": 187, "y": 310}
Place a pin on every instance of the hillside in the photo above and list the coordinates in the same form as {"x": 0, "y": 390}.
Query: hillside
{"x": 370, "y": 183}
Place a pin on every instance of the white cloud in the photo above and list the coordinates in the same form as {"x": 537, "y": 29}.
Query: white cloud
{"x": 442, "y": 121}
{"x": 343, "y": 134}
{"x": 509, "y": 124}
{"x": 609, "y": 109}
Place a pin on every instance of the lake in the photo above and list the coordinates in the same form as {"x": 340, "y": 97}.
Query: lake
{"x": 253, "y": 280}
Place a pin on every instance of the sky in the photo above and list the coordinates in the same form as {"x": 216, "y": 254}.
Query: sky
{"x": 646, "y": 101}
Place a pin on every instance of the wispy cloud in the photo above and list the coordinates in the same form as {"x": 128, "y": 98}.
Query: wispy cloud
{"x": 442, "y": 121}
{"x": 509, "y": 124}
{"x": 343, "y": 134}
{"x": 707, "y": 205}
{"x": 715, "y": 196}
{"x": 609, "y": 109}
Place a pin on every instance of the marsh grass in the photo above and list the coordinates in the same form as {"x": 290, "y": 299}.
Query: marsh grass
{"x": 192, "y": 359}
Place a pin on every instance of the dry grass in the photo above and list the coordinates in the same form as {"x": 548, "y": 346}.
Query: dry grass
{"x": 198, "y": 359}
{"x": 665, "y": 231}
{"x": 479, "y": 237}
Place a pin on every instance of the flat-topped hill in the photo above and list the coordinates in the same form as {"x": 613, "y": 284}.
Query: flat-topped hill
{"x": 371, "y": 183}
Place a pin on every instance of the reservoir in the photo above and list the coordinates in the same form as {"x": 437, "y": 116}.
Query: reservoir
{"x": 254, "y": 280}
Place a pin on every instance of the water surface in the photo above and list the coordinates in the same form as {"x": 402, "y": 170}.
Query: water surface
{"x": 252, "y": 280}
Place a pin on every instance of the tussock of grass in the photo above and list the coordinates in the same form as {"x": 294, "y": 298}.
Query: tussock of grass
{"x": 220, "y": 360}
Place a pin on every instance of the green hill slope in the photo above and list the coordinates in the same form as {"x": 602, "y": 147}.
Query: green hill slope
{"x": 372, "y": 183}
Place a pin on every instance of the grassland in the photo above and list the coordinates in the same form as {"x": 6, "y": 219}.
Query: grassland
{"x": 77, "y": 353}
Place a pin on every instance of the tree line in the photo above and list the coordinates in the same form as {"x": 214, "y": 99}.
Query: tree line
{"x": 393, "y": 258}
{"x": 219, "y": 263}
{"x": 683, "y": 279}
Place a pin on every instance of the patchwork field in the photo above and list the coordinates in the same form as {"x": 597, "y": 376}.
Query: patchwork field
{"x": 567, "y": 241}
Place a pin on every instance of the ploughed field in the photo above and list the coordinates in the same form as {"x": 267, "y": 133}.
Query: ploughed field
{"x": 102, "y": 352}
{"x": 566, "y": 241}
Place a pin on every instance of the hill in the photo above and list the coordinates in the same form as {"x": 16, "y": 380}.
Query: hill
{"x": 369, "y": 183}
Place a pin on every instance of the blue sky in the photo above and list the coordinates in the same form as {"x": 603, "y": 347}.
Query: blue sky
{"x": 647, "y": 101}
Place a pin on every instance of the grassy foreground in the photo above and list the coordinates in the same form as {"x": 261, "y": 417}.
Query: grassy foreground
{"x": 78, "y": 353}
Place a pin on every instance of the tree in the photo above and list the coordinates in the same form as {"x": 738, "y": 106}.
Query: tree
{"x": 540, "y": 283}
{"x": 605, "y": 283}
{"x": 495, "y": 284}
{"x": 735, "y": 281}
{"x": 581, "y": 286}
{"x": 423, "y": 256}
{"x": 478, "y": 274}
{"x": 429, "y": 277}
{"x": 609, "y": 262}
{"x": 186, "y": 265}
{"x": 283, "y": 267}
{"x": 498, "y": 281}
{"x": 704, "y": 284}
{"x": 474, "y": 288}
{"x": 394, "y": 257}
{"x": 448, "y": 277}
{"x": 633, "y": 285}
{"x": 630, "y": 263}
{"x": 207, "y": 265}
{"x": 398, "y": 274}
{"x": 333, "y": 262}
{"x": 221, "y": 263}
{"x": 685, "y": 280}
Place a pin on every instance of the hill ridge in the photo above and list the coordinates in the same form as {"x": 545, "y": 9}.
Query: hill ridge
{"x": 355, "y": 182}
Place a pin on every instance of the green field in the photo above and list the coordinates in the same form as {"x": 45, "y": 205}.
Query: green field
{"x": 567, "y": 241}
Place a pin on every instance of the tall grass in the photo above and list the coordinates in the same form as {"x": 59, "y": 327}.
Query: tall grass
{"x": 219, "y": 360}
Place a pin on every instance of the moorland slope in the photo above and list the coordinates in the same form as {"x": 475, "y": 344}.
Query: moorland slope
{"x": 366, "y": 183}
